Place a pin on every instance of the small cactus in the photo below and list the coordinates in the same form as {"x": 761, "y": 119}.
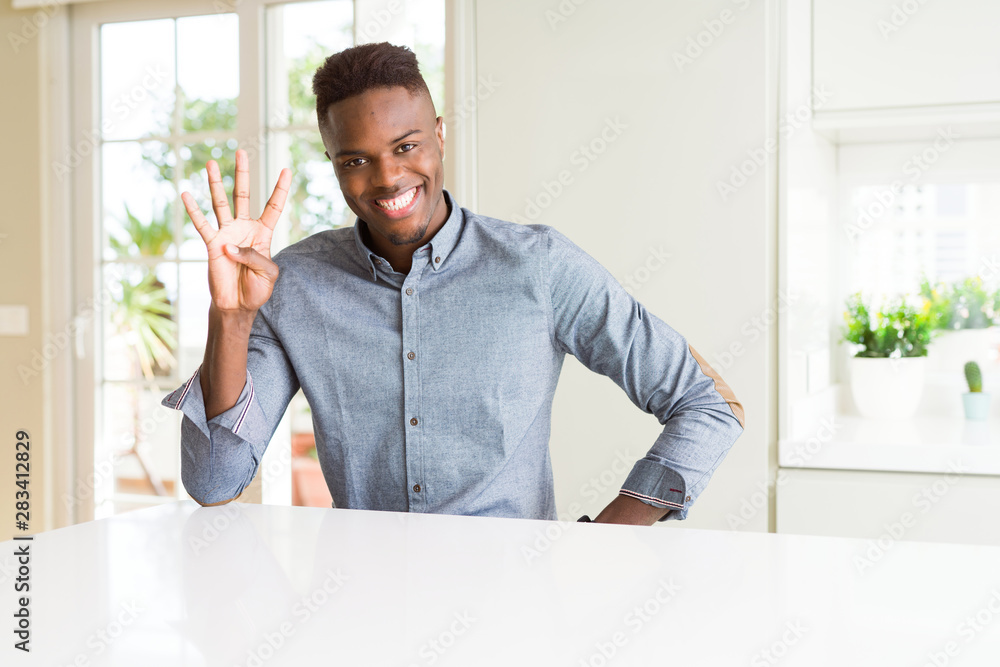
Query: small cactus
{"x": 974, "y": 377}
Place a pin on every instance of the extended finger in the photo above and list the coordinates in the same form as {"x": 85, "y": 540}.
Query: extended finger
{"x": 276, "y": 203}
{"x": 219, "y": 201}
{"x": 200, "y": 223}
{"x": 241, "y": 190}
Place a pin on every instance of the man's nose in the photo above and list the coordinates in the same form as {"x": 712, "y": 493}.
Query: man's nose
{"x": 386, "y": 174}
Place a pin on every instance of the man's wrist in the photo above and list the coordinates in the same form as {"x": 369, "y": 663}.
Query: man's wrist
{"x": 628, "y": 510}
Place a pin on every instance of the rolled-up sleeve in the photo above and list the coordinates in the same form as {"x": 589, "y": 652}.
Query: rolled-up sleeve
{"x": 220, "y": 456}
{"x": 611, "y": 333}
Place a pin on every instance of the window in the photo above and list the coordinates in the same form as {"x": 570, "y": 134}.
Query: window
{"x": 302, "y": 35}
{"x": 163, "y": 113}
{"x": 943, "y": 231}
{"x": 174, "y": 85}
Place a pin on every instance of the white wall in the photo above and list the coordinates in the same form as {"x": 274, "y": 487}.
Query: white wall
{"x": 808, "y": 231}
{"x": 25, "y": 374}
{"x": 561, "y": 79}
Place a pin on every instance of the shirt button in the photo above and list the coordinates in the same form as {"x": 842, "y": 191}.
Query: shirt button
{"x": 413, "y": 422}
{"x": 688, "y": 498}
{"x": 410, "y": 355}
{"x": 409, "y": 290}
{"x": 416, "y": 487}
{"x": 437, "y": 259}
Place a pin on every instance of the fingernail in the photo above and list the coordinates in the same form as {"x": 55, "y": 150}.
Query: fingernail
{"x": 233, "y": 250}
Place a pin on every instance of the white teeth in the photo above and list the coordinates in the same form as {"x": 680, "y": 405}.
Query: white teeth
{"x": 402, "y": 201}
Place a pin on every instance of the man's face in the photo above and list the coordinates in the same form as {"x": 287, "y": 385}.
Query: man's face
{"x": 386, "y": 147}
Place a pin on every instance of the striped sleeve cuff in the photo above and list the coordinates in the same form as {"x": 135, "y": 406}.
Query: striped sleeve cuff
{"x": 658, "y": 485}
{"x": 245, "y": 419}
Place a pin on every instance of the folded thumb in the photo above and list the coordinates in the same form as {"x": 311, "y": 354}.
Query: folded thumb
{"x": 252, "y": 259}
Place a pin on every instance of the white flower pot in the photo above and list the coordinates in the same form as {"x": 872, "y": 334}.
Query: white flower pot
{"x": 887, "y": 388}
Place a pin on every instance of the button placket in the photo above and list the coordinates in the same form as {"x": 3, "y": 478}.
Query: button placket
{"x": 411, "y": 391}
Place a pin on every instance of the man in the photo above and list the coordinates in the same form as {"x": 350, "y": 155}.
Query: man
{"x": 427, "y": 339}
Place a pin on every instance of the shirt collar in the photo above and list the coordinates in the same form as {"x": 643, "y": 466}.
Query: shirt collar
{"x": 440, "y": 245}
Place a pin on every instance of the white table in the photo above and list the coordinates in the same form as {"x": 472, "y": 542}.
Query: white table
{"x": 245, "y": 584}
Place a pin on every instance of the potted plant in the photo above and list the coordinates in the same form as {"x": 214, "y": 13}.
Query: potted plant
{"x": 976, "y": 402}
{"x": 143, "y": 319}
{"x": 887, "y": 372}
{"x": 962, "y": 315}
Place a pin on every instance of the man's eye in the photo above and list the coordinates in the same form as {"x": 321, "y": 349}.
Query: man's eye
{"x": 407, "y": 147}
{"x": 356, "y": 162}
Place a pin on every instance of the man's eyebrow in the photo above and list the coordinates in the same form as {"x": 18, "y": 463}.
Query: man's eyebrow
{"x": 398, "y": 139}
{"x": 345, "y": 153}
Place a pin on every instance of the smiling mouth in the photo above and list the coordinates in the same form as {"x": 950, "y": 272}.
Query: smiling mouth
{"x": 400, "y": 203}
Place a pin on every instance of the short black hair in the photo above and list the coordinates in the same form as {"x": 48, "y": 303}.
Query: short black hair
{"x": 361, "y": 68}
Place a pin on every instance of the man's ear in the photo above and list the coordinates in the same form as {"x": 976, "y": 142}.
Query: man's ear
{"x": 327, "y": 154}
{"x": 439, "y": 131}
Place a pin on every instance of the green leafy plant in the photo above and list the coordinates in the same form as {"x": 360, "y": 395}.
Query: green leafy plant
{"x": 974, "y": 377}
{"x": 914, "y": 328}
{"x": 937, "y": 298}
{"x": 972, "y": 305}
{"x": 143, "y": 317}
{"x": 146, "y": 239}
{"x": 898, "y": 330}
{"x": 962, "y": 305}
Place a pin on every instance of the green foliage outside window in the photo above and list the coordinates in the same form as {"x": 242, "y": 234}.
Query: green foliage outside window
{"x": 966, "y": 304}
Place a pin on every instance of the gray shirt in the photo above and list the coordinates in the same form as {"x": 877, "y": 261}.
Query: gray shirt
{"x": 431, "y": 391}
